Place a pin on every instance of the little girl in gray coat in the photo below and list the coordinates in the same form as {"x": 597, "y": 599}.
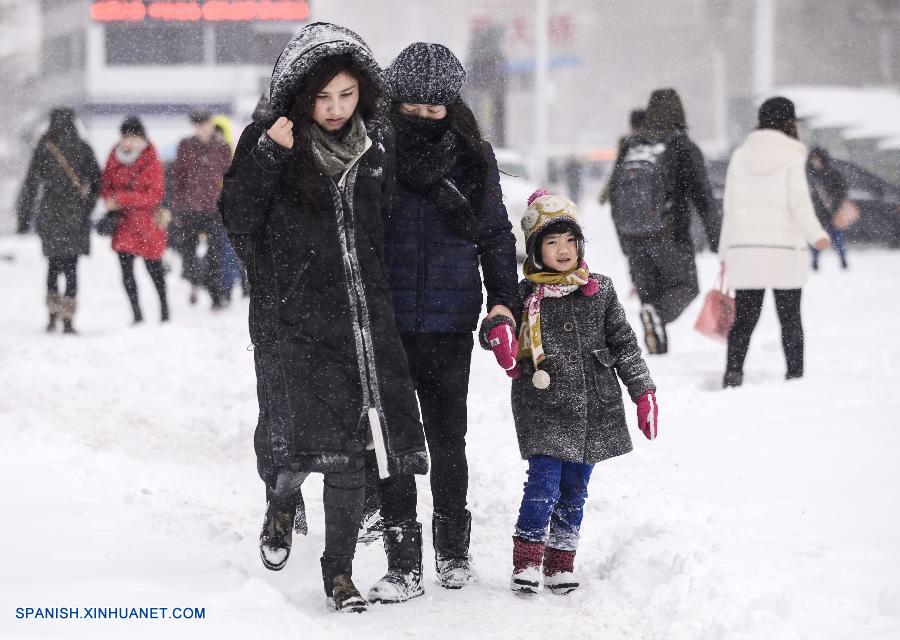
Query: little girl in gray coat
{"x": 573, "y": 341}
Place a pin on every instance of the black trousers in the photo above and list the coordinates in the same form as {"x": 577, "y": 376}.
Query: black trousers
{"x": 157, "y": 274}
{"x": 191, "y": 225}
{"x": 343, "y": 495}
{"x": 748, "y": 304}
{"x": 68, "y": 267}
{"x": 439, "y": 364}
{"x": 664, "y": 272}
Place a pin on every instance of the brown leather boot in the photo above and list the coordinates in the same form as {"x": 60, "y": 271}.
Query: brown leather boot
{"x": 340, "y": 593}
{"x": 345, "y": 597}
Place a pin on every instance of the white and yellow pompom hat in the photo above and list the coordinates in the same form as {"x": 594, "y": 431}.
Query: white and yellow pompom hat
{"x": 547, "y": 210}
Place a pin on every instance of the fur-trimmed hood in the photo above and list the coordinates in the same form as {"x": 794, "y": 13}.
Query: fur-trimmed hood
{"x": 310, "y": 45}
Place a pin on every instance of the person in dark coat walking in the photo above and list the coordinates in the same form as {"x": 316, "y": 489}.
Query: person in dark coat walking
{"x": 200, "y": 165}
{"x": 65, "y": 173}
{"x": 574, "y": 175}
{"x": 304, "y": 204}
{"x": 133, "y": 186}
{"x": 447, "y": 219}
{"x": 635, "y": 123}
{"x": 567, "y": 404}
{"x": 828, "y": 190}
{"x": 659, "y": 177}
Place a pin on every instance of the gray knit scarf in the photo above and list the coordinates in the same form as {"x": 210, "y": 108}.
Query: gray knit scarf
{"x": 334, "y": 153}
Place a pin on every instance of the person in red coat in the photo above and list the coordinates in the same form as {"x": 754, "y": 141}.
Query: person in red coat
{"x": 133, "y": 185}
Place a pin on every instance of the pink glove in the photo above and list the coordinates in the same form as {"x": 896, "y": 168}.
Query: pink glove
{"x": 505, "y": 346}
{"x": 648, "y": 412}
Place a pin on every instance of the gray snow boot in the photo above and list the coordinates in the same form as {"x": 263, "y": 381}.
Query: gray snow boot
{"x": 654, "y": 330}
{"x": 403, "y": 581}
{"x": 451, "y": 549}
{"x": 53, "y": 300}
{"x": 67, "y": 307}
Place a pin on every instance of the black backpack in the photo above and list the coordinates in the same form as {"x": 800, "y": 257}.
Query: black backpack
{"x": 639, "y": 194}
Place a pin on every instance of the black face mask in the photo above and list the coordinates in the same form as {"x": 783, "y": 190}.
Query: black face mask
{"x": 418, "y": 126}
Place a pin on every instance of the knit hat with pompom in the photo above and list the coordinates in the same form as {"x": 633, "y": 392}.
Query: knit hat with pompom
{"x": 544, "y": 210}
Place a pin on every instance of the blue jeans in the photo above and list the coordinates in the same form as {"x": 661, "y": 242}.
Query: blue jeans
{"x": 231, "y": 266}
{"x": 554, "y": 495}
{"x": 837, "y": 241}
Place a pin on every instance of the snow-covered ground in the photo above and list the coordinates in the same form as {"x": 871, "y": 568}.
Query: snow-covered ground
{"x": 127, "y": 479}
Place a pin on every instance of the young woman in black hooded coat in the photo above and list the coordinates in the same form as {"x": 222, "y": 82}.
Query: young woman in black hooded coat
{"x": 303, "y": 204}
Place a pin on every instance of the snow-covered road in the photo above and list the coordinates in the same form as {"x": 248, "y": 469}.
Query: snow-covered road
{"x": 127, "y": 479}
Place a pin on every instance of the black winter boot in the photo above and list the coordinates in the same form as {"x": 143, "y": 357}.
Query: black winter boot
{"x": 732, "y": 379}
{"x": 451, "y": 549}
{"x": 277, "y": 532}
{"x": 136, "y": 310}
{"x": 340, "y": 592}
{"x": 403, "y": 581}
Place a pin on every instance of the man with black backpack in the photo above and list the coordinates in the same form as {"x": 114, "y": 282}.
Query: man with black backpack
{"x": 658, "y": 177}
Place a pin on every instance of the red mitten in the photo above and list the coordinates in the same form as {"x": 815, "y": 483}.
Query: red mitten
{"x": 505, "y": 346}
{"x": 648, "y": 412}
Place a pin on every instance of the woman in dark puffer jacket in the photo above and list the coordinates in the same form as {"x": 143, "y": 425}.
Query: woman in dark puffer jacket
{"x": 447, "y": 219}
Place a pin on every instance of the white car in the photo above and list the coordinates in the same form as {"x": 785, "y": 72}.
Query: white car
{"x": 517, "y": 188}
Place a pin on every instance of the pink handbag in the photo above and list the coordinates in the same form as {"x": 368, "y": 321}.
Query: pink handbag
{"x": 717, "y": 314}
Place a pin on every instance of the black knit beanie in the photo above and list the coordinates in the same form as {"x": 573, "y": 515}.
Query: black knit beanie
{"x": 776, "y": 113}
{"x": 425, "y": 73}
{"x": 132, "y": 126}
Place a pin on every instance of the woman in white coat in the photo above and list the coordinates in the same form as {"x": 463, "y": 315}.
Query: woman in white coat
{"x": 767, "y": 223}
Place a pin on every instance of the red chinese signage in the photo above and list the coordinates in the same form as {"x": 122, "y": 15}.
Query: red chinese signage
{"x": 187, "y": 11}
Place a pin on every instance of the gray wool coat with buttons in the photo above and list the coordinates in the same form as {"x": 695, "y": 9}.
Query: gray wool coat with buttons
{"x": 589, "y": 346}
